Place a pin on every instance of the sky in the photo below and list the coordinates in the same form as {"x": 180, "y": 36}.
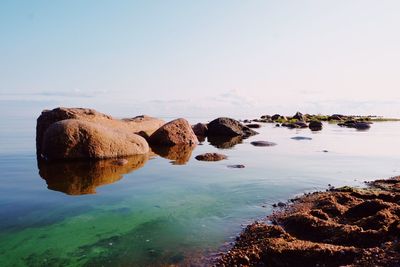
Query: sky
{"x": 201, "y": 58}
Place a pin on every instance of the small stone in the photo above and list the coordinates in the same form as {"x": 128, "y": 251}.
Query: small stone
{"x": 211, "y": 157}
{"x": 236, "y": 166}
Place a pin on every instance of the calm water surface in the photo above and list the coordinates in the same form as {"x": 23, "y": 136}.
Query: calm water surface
{"x": 171, "y": 209}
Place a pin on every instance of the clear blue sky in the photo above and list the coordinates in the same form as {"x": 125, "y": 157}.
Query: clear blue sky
{"x": 201, "y": 58}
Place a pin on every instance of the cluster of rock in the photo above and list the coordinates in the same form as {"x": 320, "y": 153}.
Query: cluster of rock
{"x": 314, "y": 122}
{"x": 76, "y": 133}
{"x": 222, "y": 133}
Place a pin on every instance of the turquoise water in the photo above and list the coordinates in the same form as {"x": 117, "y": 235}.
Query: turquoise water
{"x": 158, "y": 211}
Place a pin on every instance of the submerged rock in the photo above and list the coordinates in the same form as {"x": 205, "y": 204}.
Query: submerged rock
{"x": 359, "y": 125}
{"x": 263, "y": 143}
{"x": 315, "y": 125}
{"x": 299, "y": 138}
{"x": 229, "y": 127}
{"x": 362, "y": 125}
{"x": 211, "y": 157}
{"x": 176, "y": 132}
{"x": 236, "y": 166}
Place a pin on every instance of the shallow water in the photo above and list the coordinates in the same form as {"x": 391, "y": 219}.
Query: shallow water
{"x": 159, "y": 211}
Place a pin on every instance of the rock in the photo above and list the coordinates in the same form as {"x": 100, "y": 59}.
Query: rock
{"x": 229, "y": 127}
{"x": 301, "y": 124}
{"x": 301, "y": 138}
{"x": 315, "y": 125}
{"x": 253, "y": 125}
{"x": 211, "y": 157}
{"x": 76, "y": 139}
{"x": 83, "y": 177}
{"x": 298, "y": 124}
{"x": 299, "y": 116}
{"x": 262, "y": 143}
{"x": 275, "y": 117}
{"x": 359, "y": 125}
{"x": 176, "y": 132}
{"x": 178, "y": 154}
{"x": 277, "y": 125}
{"x": 362, "y": 125}
{"x": 266, "y": 117}
{"x": 336, "y": 117}
{"x": 200, "y": 129}
{"x": 138, "y": 124}
{"x": 236, "y": 166}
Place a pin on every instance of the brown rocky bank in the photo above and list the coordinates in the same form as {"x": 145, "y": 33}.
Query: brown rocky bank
{"x": 339, "y": 227}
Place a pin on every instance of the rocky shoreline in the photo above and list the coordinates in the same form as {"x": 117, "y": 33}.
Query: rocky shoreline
{"x": 345, "y": 226}
{"x": 79, "y": 133}
{"x": 340, "y": 227}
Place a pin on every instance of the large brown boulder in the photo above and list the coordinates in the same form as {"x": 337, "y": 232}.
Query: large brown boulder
{"x": 176, "y": 132}
{"x": 229, "y": 127}
{"x": 76, "y": 139}
{"x": 141, "y": 124}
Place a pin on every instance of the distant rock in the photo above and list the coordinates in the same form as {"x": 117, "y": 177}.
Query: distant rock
{"x": 229, "y": 127}
{"x": 362, "y": 125}
{"x": 299, "y": 116}
{"x": 301, "y": 138}
{"x": 262, "y": 143}
{"x": 301, "y": 124}
{"x": 236, "y": 166}
{"x": 76, "y": 139}
{"x": 359, "y": 125}
{"x": 253, "y": 125}
{"x": 275, "y": 117}
{"x": 297, "y": 124}
{"x": 211, "y": 157}
{"x": 315, "y": 125}
{"x": 336, "y": 117}
{"x": 200, "y": 129}
{"x": 176, "y": 132}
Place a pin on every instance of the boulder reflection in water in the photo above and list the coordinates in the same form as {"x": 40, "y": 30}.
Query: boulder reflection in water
{"x": 83, "y": 177}
{"x": 224, "y": 141}
{"x": 178, "y": 154}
